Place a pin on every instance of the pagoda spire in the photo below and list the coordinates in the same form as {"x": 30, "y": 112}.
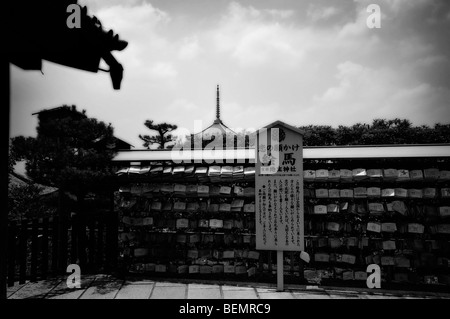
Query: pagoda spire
{"x": 218, "y": 107}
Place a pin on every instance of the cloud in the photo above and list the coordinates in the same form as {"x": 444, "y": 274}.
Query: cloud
{"x": 163, "y": 70}
{"x": 183, "y": 105}
{"x": 256, "y": 38}
{"x": 396, "y": 7}
{"x": 355, "y": 83}
{"x": 423, "y": 99}
{"x": 131, "y": 17}
{"x": 357, "y": 27}
{"x": 139, "y": 23}
{"x": 190, "y": 48}
{"x": 283, "y": 14}
{"x": 96, "y": 5}
{"x": 366, "y": 93}
{"x": 316, "y": 13}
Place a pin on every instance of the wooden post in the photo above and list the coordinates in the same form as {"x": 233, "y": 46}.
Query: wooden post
{"x": 99, "y": 256}
{"x": 280, "y": 271}
{"x": 74, "y": 220}
{"x": 44, "y": 261}
{"x": 261, "y": 264}
{"x": 292, "y": 257}
{"x": 81, "y": 232}
{"x": 82, "y": 240}
{"x": 23, "y": 251}
{"x": 108, "y": 229}
{"x": 12, "y": 247}
{"x": 62, "y": 236}
{"x": 114, "y": 233}
{"x": 302, "y": 270}
{"x": 55, "y": 244}
{"x": 269, "y": 262}
{"x": 34, "y": 249}
{"x": 111, "y": 238}
{"x": 5, "y": 177}
{"x": 91, "y": 244}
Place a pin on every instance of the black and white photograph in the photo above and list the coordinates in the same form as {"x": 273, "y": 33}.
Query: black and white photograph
{"x": 221, "y": 155}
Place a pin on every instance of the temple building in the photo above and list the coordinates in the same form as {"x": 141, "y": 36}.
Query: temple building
{"x": 216, "y": 130}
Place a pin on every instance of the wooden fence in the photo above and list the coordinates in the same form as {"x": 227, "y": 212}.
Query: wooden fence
{"x": 40, "y": 248}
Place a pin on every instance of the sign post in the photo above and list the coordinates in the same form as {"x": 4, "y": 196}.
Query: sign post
{"x": 280, "y": 271}
{"x": 279, "y": 192}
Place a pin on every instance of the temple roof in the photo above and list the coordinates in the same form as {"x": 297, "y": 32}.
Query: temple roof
{"x": 217, "y": 128}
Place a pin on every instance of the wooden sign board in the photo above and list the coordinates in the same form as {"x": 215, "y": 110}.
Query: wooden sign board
{"x": 279, "y": 188}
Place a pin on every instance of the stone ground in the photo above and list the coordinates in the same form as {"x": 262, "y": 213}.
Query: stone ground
{"x": 107, "y": 287}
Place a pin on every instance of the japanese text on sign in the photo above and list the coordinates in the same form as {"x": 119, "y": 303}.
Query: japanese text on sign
{"x": 279, "y": 189}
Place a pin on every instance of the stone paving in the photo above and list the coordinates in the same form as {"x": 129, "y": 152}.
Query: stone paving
{"x": 107, "y": 287}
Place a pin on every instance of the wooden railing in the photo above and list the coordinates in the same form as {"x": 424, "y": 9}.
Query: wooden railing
{"x": 42, "y": 247}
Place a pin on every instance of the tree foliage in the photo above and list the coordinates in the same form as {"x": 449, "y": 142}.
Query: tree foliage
{"x": 163, "y": 137}
{"x": 25, "y": 201}
{"x": 381, "y": 131}
{"x": 71, "y": 151}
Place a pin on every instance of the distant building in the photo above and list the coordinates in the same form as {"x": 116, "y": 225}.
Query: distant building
{"x": 216, "y": 130}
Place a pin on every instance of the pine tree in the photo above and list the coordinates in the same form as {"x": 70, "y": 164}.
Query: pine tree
{"x": 161, "y": 138}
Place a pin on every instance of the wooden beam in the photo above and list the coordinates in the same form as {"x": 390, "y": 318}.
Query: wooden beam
{"x": 5, "y": 177}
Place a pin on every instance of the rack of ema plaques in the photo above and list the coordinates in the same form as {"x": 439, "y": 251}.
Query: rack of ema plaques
{"x": 194, "y": 222}
{"x": 188, "y": 221}
{"x": 393, "y": 213}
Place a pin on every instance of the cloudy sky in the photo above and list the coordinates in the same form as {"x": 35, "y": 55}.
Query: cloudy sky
{"x": 302, "y": 62}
